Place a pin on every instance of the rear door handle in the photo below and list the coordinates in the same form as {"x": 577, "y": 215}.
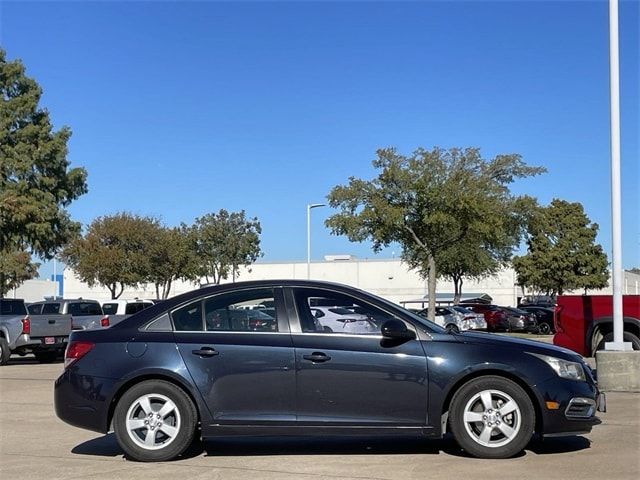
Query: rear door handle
{"x": 206, "y": 352}
{"x": 317, "y": 357}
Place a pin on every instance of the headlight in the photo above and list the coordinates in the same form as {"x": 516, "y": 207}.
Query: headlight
{"x": 564, "y": 368}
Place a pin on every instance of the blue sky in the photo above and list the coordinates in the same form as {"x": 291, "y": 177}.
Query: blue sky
{"x": 178, "y": 109}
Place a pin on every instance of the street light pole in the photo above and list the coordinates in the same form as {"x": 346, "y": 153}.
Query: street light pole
{"x": 309, "y": 207}
{"x": 616, "y": 220}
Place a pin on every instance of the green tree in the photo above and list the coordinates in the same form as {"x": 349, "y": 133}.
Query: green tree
{"x": 171, "y": 258}
{"x": 114, "y": 253}
{"x": 473, "y": 259}
{"x": 430, "y": 202}
{"x": 562, "y": 253}
{"x": 15, "y": 267}
{"x": 36, "y": 183}
{"x": 223, "y": 242}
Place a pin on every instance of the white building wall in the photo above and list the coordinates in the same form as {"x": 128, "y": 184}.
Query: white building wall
{"x": 34, "y": 290}
{"x": 388, "y": 278}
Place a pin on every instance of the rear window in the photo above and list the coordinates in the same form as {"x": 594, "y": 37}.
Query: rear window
{"x": 110, "y": 308}
{"x": 51, "y": 309}
{"x": 35, "y": 309}
{"x": 9, "y": 306}
{"x": 81, "y": 309}
{"x": 132, "y": 308}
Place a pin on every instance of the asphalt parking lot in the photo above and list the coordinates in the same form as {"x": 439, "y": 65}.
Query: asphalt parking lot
{"x": 35, "y": 444}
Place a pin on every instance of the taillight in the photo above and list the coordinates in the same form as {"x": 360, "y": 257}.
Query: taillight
{"x": 75, "y": 351}
{"x": 556, "y": 318}
{"x": 26, "y": 326}
{"x": 104, "y": 322}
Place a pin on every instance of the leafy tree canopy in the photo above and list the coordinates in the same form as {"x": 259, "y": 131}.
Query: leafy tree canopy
{"x": 223, "y": 242}
{"x": 562, "y": 252}
{"x": 15, "y": 267}
{"x": 432, "y": 201}
{"x": 114, "y": 252}
{"x": 171, "y": 258}
{"x": 36, "y": 183}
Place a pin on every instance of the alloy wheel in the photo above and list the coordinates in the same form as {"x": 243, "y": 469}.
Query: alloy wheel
{"x": 153, "y": 421}
{"x": 492, "y": 418}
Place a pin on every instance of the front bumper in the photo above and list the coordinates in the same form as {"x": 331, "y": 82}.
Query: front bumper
{"x": 569, "y": 407}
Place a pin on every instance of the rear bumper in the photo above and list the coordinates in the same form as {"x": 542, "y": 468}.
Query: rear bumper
{"x": 83, "y": 401}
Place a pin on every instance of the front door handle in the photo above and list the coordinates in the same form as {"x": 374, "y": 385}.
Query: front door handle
{"x": 206, "y": 352}
{"x": 317, "y": 357}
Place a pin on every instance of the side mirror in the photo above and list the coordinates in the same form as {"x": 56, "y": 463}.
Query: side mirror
{"x": 397, "y": 330}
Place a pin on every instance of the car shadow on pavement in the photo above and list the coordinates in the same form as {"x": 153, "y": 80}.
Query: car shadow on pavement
{"x": 107, "y": 446}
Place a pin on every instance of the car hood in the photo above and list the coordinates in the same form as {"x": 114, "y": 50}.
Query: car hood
{"x": 518, "y": 343}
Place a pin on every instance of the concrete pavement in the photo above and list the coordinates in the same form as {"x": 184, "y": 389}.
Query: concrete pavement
{"x": 35, "y": 444}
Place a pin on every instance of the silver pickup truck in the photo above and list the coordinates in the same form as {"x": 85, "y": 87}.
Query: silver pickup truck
{"x": 22, "y": 334}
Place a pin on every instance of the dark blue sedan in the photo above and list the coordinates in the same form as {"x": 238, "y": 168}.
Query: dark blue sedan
{"x": 251, "y": 359}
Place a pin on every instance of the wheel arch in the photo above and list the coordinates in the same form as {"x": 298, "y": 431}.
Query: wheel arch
{"x": 603, "y": 325}
{"x": 150, "y": 376}
{"x": 495, "y": 372}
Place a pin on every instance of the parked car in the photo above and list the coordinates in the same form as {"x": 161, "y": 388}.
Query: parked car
{"x": 520, "y": 320}
{"x": 79, "y": 313}
{"x": 544, "y": 317}
{"x": 456, "y": 320}
{"x": 497, "y": 320}
{"x": 163, "y": 374}
{"x": 21, "y": 333}
{"x": 584, "y": 323}
{"x": 537, "y": 300}
{"x": 343, "y": 320}
{"x": 475, "y": 319}
{"x": 125, "y": 307}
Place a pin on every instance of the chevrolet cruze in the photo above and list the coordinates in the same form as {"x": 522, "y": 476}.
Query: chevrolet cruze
{"x": 196, "y": 365}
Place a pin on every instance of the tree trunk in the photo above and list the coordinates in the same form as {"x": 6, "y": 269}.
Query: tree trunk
{"x": 457, "y": 289}
{"x": 165, "y": 292}
{"x": 112, "y": 289}
{"x": 431, "y": 312}
{"x": 157, "y": 290}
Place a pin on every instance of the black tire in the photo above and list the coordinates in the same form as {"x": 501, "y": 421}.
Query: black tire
{"x": 186, "y": 420}
{"x": 47, "y": 356}
{"x": 452, "y": 327}
{"x": 626, "y": 337}
{"x": 5, "y": 353}
{"x": 469, "y": 439}
{"x": 544, "y": 328}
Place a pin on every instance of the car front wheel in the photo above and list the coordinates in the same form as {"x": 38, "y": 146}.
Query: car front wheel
{"x": 492, "y": 417}
{"x": 154, "y": 421}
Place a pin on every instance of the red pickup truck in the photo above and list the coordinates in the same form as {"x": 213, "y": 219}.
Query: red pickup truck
{"x": 585, "y": 322}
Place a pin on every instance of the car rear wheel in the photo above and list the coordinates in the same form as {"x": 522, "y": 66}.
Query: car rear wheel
{"x": 544, "y": 328}
{"x": 492, "y": 417}
{"x": 5, "y": 353}
{"x": 155, "y": 421}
